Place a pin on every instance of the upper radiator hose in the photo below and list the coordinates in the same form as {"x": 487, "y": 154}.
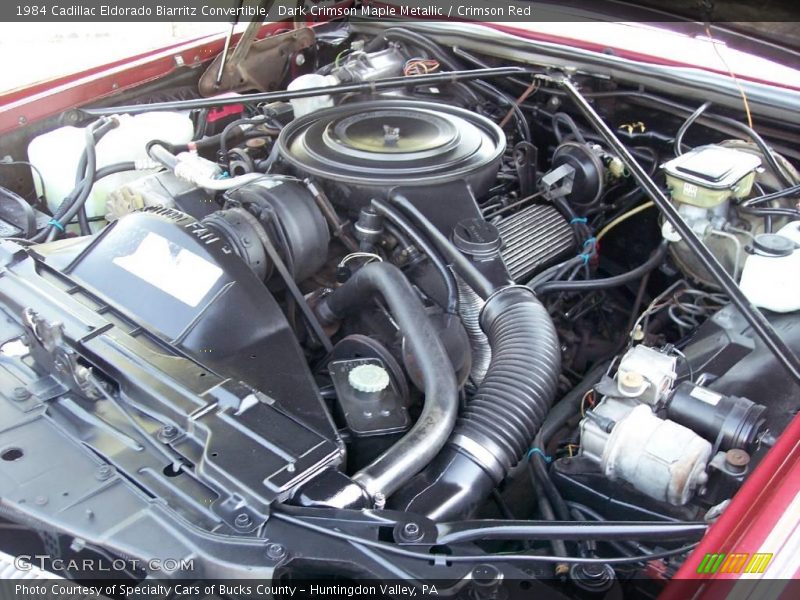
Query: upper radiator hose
{"x": 420, "y": 445}
{"x": 499, "y": 424}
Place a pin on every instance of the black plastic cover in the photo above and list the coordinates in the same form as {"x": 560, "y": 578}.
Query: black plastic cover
{"x": 171, "y": 274}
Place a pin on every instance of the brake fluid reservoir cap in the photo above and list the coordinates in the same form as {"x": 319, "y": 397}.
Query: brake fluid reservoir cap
{"x": 368, "y": 378}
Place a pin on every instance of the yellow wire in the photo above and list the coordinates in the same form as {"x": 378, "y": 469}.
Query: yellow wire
{"x": 583, "y": 402}
{"x": 733, "y": 76}
{"x": 623, "y": 217}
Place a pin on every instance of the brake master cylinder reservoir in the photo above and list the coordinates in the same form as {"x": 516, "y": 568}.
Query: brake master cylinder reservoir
{"x": 770, "y": 276}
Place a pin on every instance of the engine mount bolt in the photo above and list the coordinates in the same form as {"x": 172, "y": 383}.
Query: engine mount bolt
{"x": 242, "y": 520}
{"x": 20, "y": 394}
{"x": 276, "y": 551}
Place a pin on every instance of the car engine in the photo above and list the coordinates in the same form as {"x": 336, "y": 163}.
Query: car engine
{"x": 395, "y": 318}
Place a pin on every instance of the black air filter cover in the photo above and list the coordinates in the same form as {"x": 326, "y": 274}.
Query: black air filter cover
{"x": 368, "y": 148}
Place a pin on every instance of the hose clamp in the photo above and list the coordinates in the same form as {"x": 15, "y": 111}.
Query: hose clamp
{"x": 481, "y": 455}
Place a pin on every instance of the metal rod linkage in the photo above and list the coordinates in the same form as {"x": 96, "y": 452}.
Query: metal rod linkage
{"x": 366, "y": 86}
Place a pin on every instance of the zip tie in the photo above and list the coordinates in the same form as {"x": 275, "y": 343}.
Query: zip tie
{"x": 532, "y": 451}
{"x": 579, "y": 220}
{"x": 56, "y": 224}
{"x": 592, "y": 240}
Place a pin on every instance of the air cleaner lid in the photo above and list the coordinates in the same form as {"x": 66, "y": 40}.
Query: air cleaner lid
{"x": 391, "y": 142}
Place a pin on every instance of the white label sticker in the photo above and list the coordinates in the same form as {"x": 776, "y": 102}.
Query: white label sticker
{"x": 706, "y": 396}
{"x": 174, "y": 270}
{"x": 690, "y": 189}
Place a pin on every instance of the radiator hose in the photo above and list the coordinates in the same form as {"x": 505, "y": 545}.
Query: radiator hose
{"x": 498, "y": 425}
{"x": 419, "y": 446}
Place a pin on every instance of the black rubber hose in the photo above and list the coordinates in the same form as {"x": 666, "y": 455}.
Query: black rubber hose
{"x": 776, "y": 168}
{"x": 678, "y": 143}
{"x": 422, "y": 443}
{"x": 83, "y": 221}
{"x": 233, "y": 135}
{"x": 498, "y": 425}
{"x": 546, "y": 511}
{"x": 237, "y": 125}
{"x": 394, "y": 216}
{"x": 790, "y": 191}
{"x": 82, "y": 190}
{"x": 555, "y": 420}
{"x": 462, "y": 265}
{"x": 561, "y": 117}
{"x": 99, "y": 174}
{"x": 651, "y": 263}
{"x": 86, "y": 177}
{"x": 792, "y": 213}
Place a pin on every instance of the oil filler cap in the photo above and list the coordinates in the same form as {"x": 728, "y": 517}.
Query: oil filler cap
{"x": 368, "y": 378}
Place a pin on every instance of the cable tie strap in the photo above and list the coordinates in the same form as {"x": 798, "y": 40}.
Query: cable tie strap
{"x": 578, "y": 220}
{"x": 532, "y": 451}
{"x": 55, "y": 223}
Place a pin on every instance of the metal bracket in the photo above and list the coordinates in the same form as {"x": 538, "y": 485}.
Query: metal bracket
{"x": 49, "y": 350}
{"x": 563, "y": 175}
{"x": 254, "y": 64}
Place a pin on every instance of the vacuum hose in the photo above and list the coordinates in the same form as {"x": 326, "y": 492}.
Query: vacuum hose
{"x": 498, "y": 425}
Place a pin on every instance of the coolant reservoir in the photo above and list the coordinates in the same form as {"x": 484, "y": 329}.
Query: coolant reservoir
{"x": 56, "y": 154}
{"x": 771, "y": 275}
{"x": 304, "y": 106}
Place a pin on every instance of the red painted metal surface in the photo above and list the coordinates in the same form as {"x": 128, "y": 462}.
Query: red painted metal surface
{"x": 748, "y": 520}
{"x": 23, "y": 106}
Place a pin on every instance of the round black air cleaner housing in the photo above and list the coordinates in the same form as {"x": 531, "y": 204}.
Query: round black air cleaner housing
{"x": 368, "y": 148}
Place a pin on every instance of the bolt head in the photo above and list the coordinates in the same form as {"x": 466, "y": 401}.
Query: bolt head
{"x": 104, "y": 472}
{"x": 737, "y": 460}
{"x": 168, "y": 432}
{"x": 20, "y": 393}
{"x": 242, "y": 520}
{"x": 276, "y": 551}
{"x": 486, "y": 575}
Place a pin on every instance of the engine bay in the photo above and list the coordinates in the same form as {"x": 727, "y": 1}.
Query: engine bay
{"x": 423, "y": 316}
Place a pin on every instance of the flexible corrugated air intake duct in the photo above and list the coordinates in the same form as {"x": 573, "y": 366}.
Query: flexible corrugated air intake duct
{"x": 500, "y": 422}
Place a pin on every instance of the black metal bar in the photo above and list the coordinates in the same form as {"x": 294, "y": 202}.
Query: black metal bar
{"x": 752, "y": 315}
{"x": 366, "y": 86}
{"x": 467, "y": 531}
